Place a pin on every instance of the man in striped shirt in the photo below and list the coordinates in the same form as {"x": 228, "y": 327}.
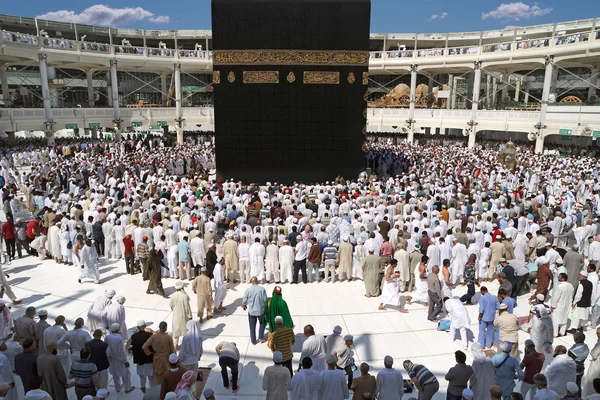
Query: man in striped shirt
{"x": 85, "y": 373}
{"x": 423, "y": 379}
{"x": 282, "y": 340}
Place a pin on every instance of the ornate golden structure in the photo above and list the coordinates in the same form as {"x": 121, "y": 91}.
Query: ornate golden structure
{"x": 322, "y": 77}
{"x": 365, "y": 78}
{"x": 351, "y": 78}
{"x": 261, "y": 77}
{"x": 291, "y": 78}
{"x": 216, "y": 77}
{"x": 231, "y": 77}
{"x": 508, "y": 156}
{"x": 290, "y": 57}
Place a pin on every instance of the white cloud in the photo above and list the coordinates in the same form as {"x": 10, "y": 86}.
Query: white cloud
{"x": 516, "y": 11}
{"x": 161, "y": 19}
{"x": 100, "y": 14}
{"x": 438, "y": 16}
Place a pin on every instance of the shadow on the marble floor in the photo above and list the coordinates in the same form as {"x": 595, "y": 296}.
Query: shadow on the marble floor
{"x": 110, "y": 278}
{"x": 250, "y": 373}
{"x": 18, "y": 281}
{"x": 231, "y": 308}
{"x": 22, "y": 268}
{"x": 213, "y": 332}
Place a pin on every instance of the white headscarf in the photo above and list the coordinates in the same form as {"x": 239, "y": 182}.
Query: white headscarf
{"x": 193, "y": 336}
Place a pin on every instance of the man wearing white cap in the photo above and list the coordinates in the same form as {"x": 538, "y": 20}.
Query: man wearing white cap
{"x": 581, "y": 303}
{"x": 335, "y": 339}
{"x": 204, "y": 299}
{"x": 508, "y": 326}
{"x": 95, "y": 319}
{"x": 507, "y": 369}
{"x": 329, "y": 257}
{"x": 119, "y": 366}
{"x": 39, "y": 329}
{"x": 257, "y": 260}
{"x": 142, "y": 360}
{"x": 345, "y": 259}
{"x": 209, "y": 394}
{"x": 390, "y": 384}
{"x": 541, "y": 329}
{"x": 102, "y": 394}
{"x": 344, "y": 362}
{"x": 333, "y": 381}
{"x": 276, "y": 379}
{"x": 172, "y": 377}
{"x": 115, "y": 313}
{"x": 230, "y": 252}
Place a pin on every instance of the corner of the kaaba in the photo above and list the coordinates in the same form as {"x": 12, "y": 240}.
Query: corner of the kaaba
{"x": 289, "y": 83}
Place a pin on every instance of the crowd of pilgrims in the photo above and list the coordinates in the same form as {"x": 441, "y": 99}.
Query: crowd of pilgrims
{"x": 448, "y": 217}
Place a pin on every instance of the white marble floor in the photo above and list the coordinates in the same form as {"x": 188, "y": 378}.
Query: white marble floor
{"x": 376, "y": 333}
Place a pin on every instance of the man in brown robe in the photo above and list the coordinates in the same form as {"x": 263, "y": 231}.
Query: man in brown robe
{"x": 201, "y": 286}
{"x": 161, "y": 346}
{"x": 50, "y": 369}
{"x": 153, "y": 273}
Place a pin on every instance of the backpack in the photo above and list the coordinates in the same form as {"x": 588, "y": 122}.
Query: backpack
{"x": 444, "y": 325}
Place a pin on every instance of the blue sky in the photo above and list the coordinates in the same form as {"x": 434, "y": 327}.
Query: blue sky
{"x": 387, "y": 16}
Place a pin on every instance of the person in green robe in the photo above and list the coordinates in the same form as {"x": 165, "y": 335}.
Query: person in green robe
{"x": 275, "y": 306}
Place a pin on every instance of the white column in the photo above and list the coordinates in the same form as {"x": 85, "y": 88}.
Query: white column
{"x": 178, "y": 110}
{"x": 46, "y": 99}
{"x": 453, "y": 94}
{"x": 475, "y": 103}
{"x": 591, "y": 89}
{"x": 450, "y": 89}
{"x": 505, "y": 83}
{"x": 90, "y": 88}
{"x": 114, "y": 85}
{"x": 411, "y": 108}
{"x": 5, "y": 92}
{"x": 526, "y": 96}
{"x": 494, "y": 91}
{"x": 164, "y": 89}
{"x": 488, "y": 91}
{"x": 548, "y": 77}
{"x": 517, "y": 89}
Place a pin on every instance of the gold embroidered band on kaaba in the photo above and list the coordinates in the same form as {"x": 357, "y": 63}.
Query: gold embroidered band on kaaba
{"x": 321, "y": 77}
{"x": 261, "y": 77}
{"x": 291, "y": 57}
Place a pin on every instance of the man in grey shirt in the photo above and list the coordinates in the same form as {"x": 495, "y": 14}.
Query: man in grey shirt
{"x": 435, "y": 294}
{"x": 458, "y": 377}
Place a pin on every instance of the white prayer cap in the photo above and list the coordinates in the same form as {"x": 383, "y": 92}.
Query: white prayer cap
{"x": 337, "y": 329}
{"x": 277, "y": 357}
{"x": 506, "y": 346}
{"x": 330, "y": 359}
{"x": 42, "y": 313}
{"x": 110, "y": 293}
{"x": 389, "y": 360}
{"x": 279, "y": 319}
{"x": 208, "y": 392}
{"x": 540, "y": 297}
{"x": 468, "y": 394}
{"x": 173, "y": 358}
{"x": 330, "y": 242}
{"x": 541, "y": 260}
{"x": 583, "y": 272}
{"x": 572, "y": 387}
{"x": 141, "y": 322}
{"x": 171, "y": 396}
{"x": 345, "y": 238}
{"x": 102, "y": 393}
{"x": 120, "y": 299}
{"x": 87, "y": 397}
{"x": 219, "y": 259}
{"x": 114, "y": 327}
{"x": 178, "y": 285}
{"x": 348, "y": 337}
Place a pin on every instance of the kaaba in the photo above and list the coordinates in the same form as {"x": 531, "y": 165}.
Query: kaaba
{"x": 290, "y": 78}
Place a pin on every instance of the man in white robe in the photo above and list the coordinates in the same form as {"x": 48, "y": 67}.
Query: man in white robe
{"x": 257, "y": 260}
{"x": 561, "y": 305}
{"x": 403, "y": 259}
{"x": 286, "y": 261}
{"x": 459, "y": 320}
{"x": 459, "y": 259}
{"x": 117, "y": 358}
{"x": 306, "y": 383}
{"x": 333, "y": 381}
{"x": 109, "y": 249}
{"x": 74, "y": 340}
{"x": 272, "y": 262}
{"x": 220, "y": 285}
{"x": 89, "y": 262}
{"x": 118, "y": 234}
{"x": 53, "y": 244}
{"x": 96, "y": 318}
{"x": 115, "y": 314}
{"x": 55, "y": 334}
{"x": 198, "y": 252}
{"x": 314, "y": 347}
{"x": 561, "y": 371}
{"x": 434, "y": 254}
